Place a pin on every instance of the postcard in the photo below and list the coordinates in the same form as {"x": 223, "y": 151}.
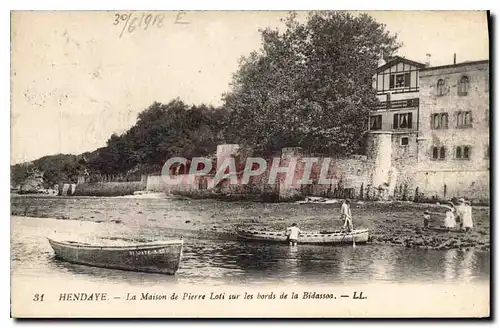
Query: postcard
{"x": 250, "y": 164}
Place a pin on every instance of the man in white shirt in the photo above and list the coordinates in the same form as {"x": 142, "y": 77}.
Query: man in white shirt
{"x": 345, "y": 214}
{"x": 293, "y": 233}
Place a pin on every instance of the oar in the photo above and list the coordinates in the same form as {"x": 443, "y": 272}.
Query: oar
{"x": 352, "y": 233}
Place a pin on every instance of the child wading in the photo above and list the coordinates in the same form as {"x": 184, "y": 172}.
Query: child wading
{"x": 427, "y": 218}
{"x": 293, "y": 233}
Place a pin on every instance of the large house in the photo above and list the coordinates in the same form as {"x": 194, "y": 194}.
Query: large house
{"x": 453, "y": 144}
{"x": 430, "y": 129}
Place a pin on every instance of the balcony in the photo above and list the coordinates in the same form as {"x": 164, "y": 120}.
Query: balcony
{"x": 396, "y": 104}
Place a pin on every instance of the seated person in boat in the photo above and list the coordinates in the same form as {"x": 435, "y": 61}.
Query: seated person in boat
{"x": 345, "y": 214}
{"x": 293, "y": 233}
{"x": 427, "y": 219}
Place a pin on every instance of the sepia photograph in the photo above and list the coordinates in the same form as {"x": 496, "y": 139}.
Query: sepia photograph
{"x": 250, "y": 164}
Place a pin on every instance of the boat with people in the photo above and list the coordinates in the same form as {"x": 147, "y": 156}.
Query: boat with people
{"x": 153, "y": 257}
{"x": 359, "y": 236}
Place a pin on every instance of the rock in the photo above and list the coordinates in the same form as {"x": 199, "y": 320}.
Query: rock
{"x": 33, "y": 183}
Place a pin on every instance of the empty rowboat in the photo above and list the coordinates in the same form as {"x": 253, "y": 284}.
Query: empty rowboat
{"x": 154, "y": 257}
{"x": 335, "y": 237}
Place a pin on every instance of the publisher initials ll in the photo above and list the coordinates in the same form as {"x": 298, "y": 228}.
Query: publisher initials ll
{"x": 358, "y": 297}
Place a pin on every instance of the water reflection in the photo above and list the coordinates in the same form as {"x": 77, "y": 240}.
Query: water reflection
{"x": 215, "y": 262}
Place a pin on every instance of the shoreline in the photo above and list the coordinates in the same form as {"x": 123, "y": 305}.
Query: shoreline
{"x": 394, "y": 223}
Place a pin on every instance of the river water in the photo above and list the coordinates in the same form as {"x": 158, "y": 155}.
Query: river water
{"x": 216, "y": 261}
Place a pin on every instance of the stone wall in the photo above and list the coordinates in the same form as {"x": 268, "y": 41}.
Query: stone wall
{"x": 106, "y": 189}
{"x": 181, "y": 183}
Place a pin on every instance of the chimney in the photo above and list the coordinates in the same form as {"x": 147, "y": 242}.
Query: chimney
{"x": 381, "y": 60}
{"x": 454, "y": 58}
{"x": 428, "y": 60}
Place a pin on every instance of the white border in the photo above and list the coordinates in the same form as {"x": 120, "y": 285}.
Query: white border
{"x": 185, "y": 5}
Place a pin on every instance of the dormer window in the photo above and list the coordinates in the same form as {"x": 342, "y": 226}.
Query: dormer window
{"x": 463, "y": 86}
{"x": 440, "y": 87}
{"x": 401, "y": 80}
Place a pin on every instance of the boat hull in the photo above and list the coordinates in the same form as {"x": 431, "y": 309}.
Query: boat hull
{"x": 160, "y": 257}
{"x": 329, "y": 238}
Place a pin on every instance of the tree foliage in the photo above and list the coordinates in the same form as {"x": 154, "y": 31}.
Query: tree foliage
{"x": 55, "y": 168}
{"x": 309, "y": 86}
{"x": 162, "y": 131}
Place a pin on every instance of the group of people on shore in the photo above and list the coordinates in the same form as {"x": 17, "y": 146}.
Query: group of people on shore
{"x": 458, "y": 215}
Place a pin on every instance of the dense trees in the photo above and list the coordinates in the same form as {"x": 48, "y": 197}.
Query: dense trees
{"x": 162, "y": 131}
{"x": 310, "y": 85}
{"x": 55, "y": 168}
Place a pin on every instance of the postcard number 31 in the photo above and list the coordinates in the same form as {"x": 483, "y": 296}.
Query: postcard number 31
{"x": 38, "y": 297}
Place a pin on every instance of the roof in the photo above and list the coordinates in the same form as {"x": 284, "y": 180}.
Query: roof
{"x": 397, "y": 59}
{"x": 456, "y": 65}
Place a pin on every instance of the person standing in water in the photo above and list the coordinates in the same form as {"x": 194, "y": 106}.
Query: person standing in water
{"x": 464, "y": 210}
{"x": 293, "y": 233}
{"x": 345, "y": 214}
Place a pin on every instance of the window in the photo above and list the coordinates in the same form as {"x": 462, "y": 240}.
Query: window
{"x": 401, "y": 80}
{"x": 439, "y": 121}
{"x": 440, "y": 87}
{"x": 404, "y": 141}
{"x": 402, "y": 121}
{"x": 442, "y": 153}
{"x": 376, "y": 122}
{"x": 464, "y": 119}
{"x": 462, "y": 152}
{"x": 438, "y": 153}
{"x": 463, "y": 86}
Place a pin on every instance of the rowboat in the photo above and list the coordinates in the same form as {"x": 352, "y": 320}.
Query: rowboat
{"x": 335, "y": 237}
{"x": 154, "y": 257}
{"x": 318, "y": 200}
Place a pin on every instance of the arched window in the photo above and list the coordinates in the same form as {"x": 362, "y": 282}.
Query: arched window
{"x": 458, "y": 152}
{"x": 436, "y": 121}
{"x": 444, "y": 121}
{"x": 460, "y": 119}
{"x": 440, "y": 87}
{"x": 468, "y": 119}
{"x": 463, "y": 86}
{"x": 442, "y": 153}
{"x": 466, "y": 152}
{"x": 434, "y": 152}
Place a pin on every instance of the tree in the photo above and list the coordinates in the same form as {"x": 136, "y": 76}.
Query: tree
{"x": 310, "y": 86}
{"x": 162, "y": 131}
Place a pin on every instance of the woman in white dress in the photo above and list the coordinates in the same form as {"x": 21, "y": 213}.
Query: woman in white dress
{"x": 449, "y": 221}
{"x": 464, "y": 209}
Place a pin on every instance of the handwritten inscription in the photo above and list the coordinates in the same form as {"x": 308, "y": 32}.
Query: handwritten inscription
{"x": 132, "y": 22}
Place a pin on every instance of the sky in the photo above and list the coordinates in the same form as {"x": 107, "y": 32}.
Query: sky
{"x": 78, "y": 77}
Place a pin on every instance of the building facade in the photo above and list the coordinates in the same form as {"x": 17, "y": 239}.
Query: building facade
{"x": 433, "y": 125}
{"x": 453, "y": 141}
{"x": 393, "y": 126}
